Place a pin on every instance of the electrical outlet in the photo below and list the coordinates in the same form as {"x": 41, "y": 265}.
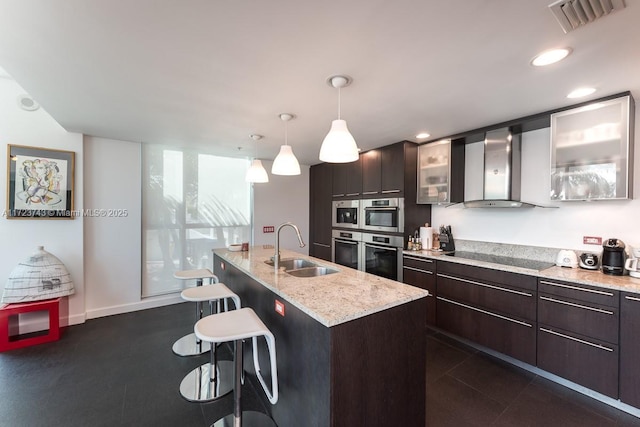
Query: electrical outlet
{"x": 591, "y": 240}
{"x": 268, "y": 229}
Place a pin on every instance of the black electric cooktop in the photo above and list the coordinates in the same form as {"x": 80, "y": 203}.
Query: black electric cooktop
{"x": 503, "y": 260}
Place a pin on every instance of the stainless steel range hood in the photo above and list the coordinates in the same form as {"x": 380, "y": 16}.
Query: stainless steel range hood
{"x": 502, "y": 166}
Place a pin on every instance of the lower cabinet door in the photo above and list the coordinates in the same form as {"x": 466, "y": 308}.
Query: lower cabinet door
{"x": 630, "y": 349}
{"x": 510, "y": 336}
{"x": 426, "y": 280}
{"x": 582, "y": 360}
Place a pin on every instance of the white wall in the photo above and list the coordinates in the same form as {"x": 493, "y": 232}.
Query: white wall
{"x": 20, "y": 237}
{"x": 563, "y": 227}
{"x": 282, "y": 199}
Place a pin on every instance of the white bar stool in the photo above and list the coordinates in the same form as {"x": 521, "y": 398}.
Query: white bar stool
{"x": 189, "y": 345}
{"x": 214, "y": 379}
{"x": 238, "y": 325}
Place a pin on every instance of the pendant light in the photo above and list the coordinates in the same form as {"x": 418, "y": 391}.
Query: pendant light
{"x": 256, "y": 172}
{"x": 339, "y": 146}
{"x": 285, "y": 162}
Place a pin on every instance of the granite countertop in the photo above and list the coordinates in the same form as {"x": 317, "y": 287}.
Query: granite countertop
{"x": 577, "y": 275}
{"x": 331, "y": 299}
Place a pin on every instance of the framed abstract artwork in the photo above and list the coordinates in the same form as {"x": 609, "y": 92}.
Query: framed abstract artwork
{"x": 39, "y": 183}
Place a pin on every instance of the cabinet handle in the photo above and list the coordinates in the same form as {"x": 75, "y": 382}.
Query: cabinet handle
{"x": 528, "y": 325}
{"x": 586, "y": 307}
{"x": 390, "y": 191}
{"x": 499, "y": 288}
{"x": 430, "y": 261}
{"x": 417, "y": 269}
{"x": 321, "y": 244}
{"x": 369, "y": 192}
{"x": 577, "y": 288}
{"x": 631, "y": 298}
{"x": 338, "y": 195}
{"x": 601, "y": 347}
{"x": 353, "y": 194}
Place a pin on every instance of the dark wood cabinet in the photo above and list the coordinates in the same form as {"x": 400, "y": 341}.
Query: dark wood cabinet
{"x": 421, "y": 272}
{"x": 630, "y": 349}
{"x": 496, "y": 309}
{"x": 392, "y": 169}
{"x": 347, "y": 180}
{"x": 320, "y": 194}
{"x": 384, "y": 169}
{"x": 371, "y": 174}
{"x": 578, "y": 329}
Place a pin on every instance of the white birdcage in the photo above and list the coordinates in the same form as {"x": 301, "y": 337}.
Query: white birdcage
{"x": 41, "y": 276}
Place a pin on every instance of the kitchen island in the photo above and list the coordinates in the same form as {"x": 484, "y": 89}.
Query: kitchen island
{"x": 351, "y": 346}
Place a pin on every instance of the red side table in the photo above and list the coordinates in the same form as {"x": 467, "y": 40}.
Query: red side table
{"x": 9, "y": 319}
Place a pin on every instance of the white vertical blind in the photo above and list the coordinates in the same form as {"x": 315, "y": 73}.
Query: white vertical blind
{"x": 193, "y": 202}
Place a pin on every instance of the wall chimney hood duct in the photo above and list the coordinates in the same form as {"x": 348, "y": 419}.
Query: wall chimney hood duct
{"x": 501, "y": 175}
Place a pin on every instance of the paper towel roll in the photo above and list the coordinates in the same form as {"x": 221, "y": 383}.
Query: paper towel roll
{"x": 426, "y": 237}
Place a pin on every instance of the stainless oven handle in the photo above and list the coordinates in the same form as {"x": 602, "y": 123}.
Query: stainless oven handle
{"x": 322, "y": 244}
{"x": 348, "y": 242}
{"x": 381, "y": 208}
{"x": 389, "y": 248}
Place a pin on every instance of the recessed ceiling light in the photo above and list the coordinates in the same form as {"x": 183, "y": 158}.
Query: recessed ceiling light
{"x": 423, "y": 135}
{"x": 550, "y": 56}
{"x": 580, "y": 92}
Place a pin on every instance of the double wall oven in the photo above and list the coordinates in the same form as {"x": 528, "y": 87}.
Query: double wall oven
{"x": 378, "y": 252}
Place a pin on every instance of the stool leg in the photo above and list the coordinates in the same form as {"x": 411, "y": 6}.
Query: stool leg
{"x": 237, "y": 387}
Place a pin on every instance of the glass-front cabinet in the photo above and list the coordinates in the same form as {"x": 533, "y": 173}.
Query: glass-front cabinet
{"x": 434, "y": 172}
{"x": 592, "y": 151}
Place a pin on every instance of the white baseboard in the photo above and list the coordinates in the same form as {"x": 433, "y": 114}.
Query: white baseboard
{"x": 37, "y": 321}
{"x": 144, "y": 304}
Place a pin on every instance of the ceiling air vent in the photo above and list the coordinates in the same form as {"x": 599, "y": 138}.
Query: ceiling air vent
{"x": 572, "y": 14}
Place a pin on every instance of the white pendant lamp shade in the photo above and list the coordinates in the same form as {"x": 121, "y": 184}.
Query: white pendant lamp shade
{"x": 285, "y": 162}
{"x": 256, "y": 172}
{"x": 339, "y": 146}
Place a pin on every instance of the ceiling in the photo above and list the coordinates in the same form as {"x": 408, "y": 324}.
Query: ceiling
{"x": 209, "y": 73}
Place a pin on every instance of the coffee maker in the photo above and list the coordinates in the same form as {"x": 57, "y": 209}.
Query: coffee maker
{"x": 632, "y": 265}
{"x": 613, "y": 257}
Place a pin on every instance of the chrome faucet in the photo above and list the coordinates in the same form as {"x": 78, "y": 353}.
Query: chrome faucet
{"x": 276, "y": 256}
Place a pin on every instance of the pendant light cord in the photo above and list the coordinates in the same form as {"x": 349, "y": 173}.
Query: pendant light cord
{"x": 286, "y": 138}
{"x": 338, "y": 103}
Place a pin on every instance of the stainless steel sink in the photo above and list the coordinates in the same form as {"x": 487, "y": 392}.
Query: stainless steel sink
{"x": 299, "y": 267}
{"x": 311, "y": 271}
{"x": 293, "y": 263}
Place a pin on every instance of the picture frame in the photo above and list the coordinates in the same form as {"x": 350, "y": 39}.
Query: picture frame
{"x": 40, "y": 183}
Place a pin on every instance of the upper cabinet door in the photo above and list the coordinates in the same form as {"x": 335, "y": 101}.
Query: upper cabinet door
{"x": 392, "y": 170}
{"x": 371, "y": 173}
{"x": 591, "y": 151}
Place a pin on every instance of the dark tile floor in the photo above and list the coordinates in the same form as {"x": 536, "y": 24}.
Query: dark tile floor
{"x": 120, "y": 371}
{"x": 466, "y": 387}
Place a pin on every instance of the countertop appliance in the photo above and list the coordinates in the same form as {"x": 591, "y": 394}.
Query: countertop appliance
{"x": 345, "y": 213}
{"x": 613, "y": 257}
{"x": 383, "y": 214}
{"x": 567, "y": 258}
{"x": 589, "y": 261}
